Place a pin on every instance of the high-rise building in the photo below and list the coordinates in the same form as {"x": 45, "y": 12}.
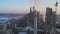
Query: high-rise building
{"x": 30, "y": 10}
{"x": 48, "y": 15}
{"x": 30, "y": 16}
{"x": 53, "y": 23}
{"x": 50, "y": 21}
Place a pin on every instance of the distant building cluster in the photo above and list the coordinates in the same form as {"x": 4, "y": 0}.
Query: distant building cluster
{"x": 25, "y": 24}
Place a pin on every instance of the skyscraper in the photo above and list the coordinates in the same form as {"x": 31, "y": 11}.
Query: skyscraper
{"x": 48, "y": 15}
{"x": 48, "y": 20}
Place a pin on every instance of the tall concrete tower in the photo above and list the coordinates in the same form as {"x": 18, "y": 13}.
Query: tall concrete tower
{"x": 35, "y": 23}
{"x": 35, "y": 20}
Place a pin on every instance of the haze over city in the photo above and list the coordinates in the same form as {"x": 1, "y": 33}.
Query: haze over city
{"x": 23, "y": 6}
{"x": 29, "y": 16}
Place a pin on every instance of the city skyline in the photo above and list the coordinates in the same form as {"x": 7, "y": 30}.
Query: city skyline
{"x": 23, "y": 6}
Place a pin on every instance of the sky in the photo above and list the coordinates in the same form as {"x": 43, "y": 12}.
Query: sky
{"x": 23, "y": 6}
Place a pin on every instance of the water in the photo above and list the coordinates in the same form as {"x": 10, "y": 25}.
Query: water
{"x": 4, "y": 19}
{"x": 22, "y": 33}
